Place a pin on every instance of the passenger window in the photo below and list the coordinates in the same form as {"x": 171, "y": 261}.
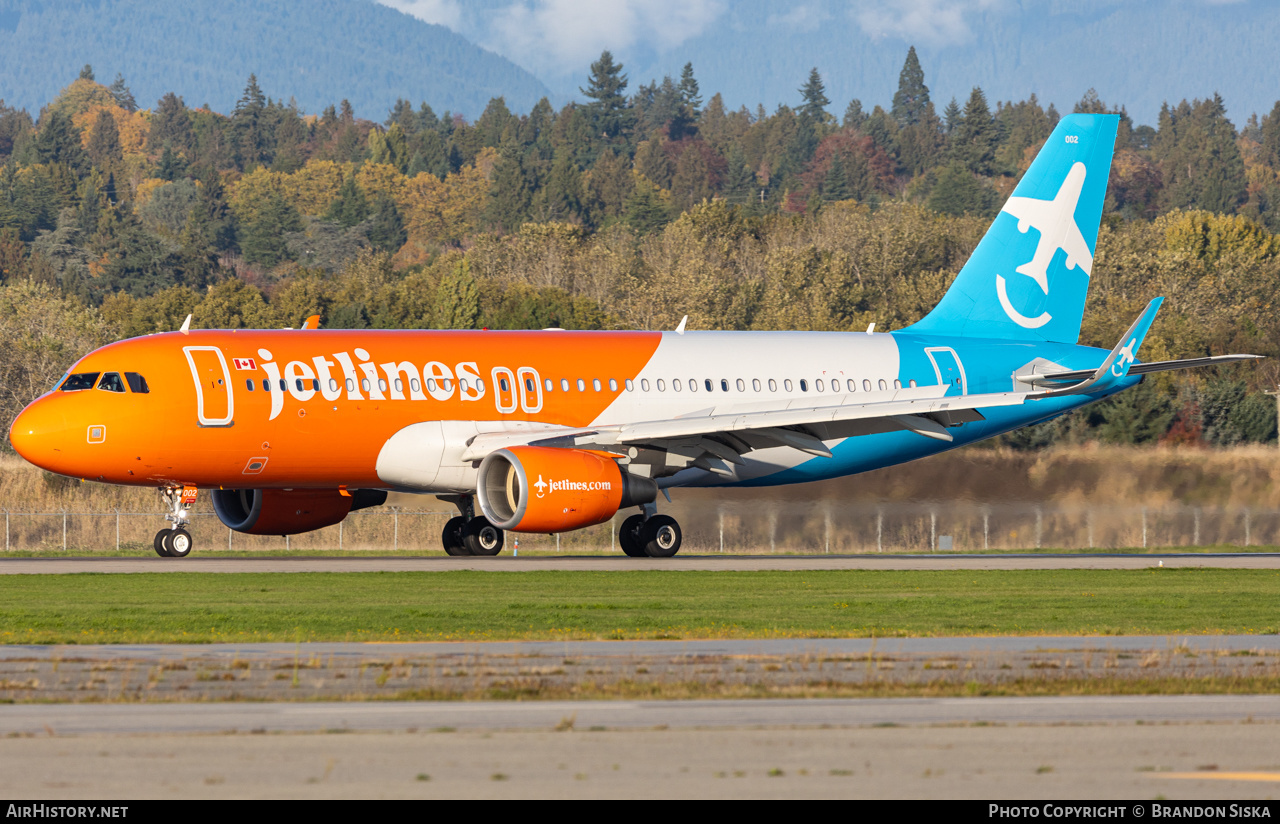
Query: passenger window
{"x": 137, "y": 383}
{"x": 595, "y": 384}
{"x": 549, "y": 384}
{"x": 804, "y": 385}
{"x": 414, "y": 386}
{"x": 676, "y": 386}
{"x": 630, "y": 386}
{"x": 298, "y": 382}
{"x": 111, "y": 382}
{"x": 83, "y": 380}
{"x": 786, "y": 384}
{"x": 866, "y": 384}
{"x": 818, "y": 384}
{"x": 528, "y": 385}
{"x": 755, "y": 384}
{"x": 364, "y": 384}
{"x": 582, "y": 385}
{"x": 564, "y": 384}
{"x": 315, "y": 384}
{"x": 463, "y": 385}
{"x": 773, "y": 385}
{"x": 709, "y": 388}
{"x": 284, "y": 387}
{"x": 662, "y": 386}
{"x": 883, "y": 385}
{"x": 266, "y": 385}
{"x": 853, "y": 385}
{"x": 431, "y": 385}
{"x": 693, "y": 385}
{"x": 333, "y": 385}
{"x": 912, "y": 384}
{"x": 742, "y": 387}
{"x": 249, "y": 384}
{"x": 613, "y": 385}
{"x": 351, "y": 385}
{"x": 502, "y": 384}
{"x": 644, "y": 385}
{"x": 897, "y": 384}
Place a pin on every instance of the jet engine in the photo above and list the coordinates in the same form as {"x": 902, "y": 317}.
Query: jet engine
{"x": 538, "y": 489}
{"x": 289, "y": 511}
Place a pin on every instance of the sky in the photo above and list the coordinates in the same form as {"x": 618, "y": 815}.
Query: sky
{"x": 758, "y": 51}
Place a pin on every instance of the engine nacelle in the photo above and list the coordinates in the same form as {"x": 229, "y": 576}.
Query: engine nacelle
{"x": 289, "y": 511}
{"x": 537, "y": 489}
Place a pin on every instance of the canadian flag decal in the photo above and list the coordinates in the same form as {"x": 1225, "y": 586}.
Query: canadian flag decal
{"x": 244, "y": 364}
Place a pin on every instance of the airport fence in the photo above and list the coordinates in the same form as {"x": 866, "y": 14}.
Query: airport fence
{"x": 787, "y": 527}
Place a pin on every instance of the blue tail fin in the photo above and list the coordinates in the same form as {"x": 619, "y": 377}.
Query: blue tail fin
{"x": 1028, "y": 278}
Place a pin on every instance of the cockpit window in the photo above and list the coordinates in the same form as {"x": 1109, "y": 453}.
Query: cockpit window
{"x": 137, "y": 383}
{"x": 111, "y": 382}
{"x": 79, "y": 381}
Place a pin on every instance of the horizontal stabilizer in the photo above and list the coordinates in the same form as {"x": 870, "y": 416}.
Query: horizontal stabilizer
{"x": 1116, "y": 366}
{"x": 1059, "y": 378}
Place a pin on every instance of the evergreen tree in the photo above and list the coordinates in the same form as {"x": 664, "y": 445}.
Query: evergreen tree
{"x": 58, "y": 142}
{"x": 386, "y": 230}
{"x": 124, "y": 97}
{"x": 835, "y": 186}
{"x": 510, "y": 195}
{"x": 1199, "y": 159}
{"x": 87, "y": 73}
{"x": 911, "y": 101}
{"x": 974, "y": 138}
{"x": 740, "y": 181}
{"x": 349, "y": 207}
{"x": 958, "y": 192}
{"x": 562, "y": 196}
{"x": 690, "y": 96}
{"x": 814, "y": 108}
{"x": 854, "y": 116}
{"x": 264, "y": 236}
{"x": 951, "y": 116}
{"x": 605, "y": 88}
{"x": 104, "y": 141}
{"x": 691, "y": 184}
{"x": 171, "y": 125}
{"x": 646, "y": 211}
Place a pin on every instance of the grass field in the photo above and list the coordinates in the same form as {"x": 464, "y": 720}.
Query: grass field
{"x": 180, "y": 607}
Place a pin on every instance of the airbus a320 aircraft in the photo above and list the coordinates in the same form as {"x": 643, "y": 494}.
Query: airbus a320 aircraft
{"x": 553, "y": 431}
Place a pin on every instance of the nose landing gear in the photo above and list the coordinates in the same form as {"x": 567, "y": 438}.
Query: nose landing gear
{"x": 175, "y": 541}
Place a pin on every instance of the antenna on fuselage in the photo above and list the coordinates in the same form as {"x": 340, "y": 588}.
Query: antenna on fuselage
{"x": 186, "y": 325}
{"x": 680, "y": 328}
{"x": 871, "y": 330}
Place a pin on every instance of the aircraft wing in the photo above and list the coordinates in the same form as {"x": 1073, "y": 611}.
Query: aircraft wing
{"x": 724, "y": 436}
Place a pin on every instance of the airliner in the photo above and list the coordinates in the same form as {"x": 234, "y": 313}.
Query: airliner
{"x": 551, "y": 431}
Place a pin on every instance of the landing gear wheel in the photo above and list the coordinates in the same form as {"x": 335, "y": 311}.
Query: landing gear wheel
{"x": 452, "y": 537}
{"x": 661, "y": 536}
{"x": 481, "y": 537}
{"x": 158, "y": 543}
{"x": 629, "y": 536}
{"x": 177, "y": 543}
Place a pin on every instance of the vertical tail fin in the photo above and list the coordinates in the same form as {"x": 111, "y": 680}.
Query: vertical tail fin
{"x": 1029, "y": 276}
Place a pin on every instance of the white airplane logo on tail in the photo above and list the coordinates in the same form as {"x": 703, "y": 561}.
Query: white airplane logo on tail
{"x": 1056, "y": 222}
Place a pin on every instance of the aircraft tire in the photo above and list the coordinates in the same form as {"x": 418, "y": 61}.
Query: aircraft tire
{"x": 452, "y": 537}
{"x": 178, "y": 543}
{"x": 482, "y": 538}
{"x": 629, "y": 537}
{"x": 661, "y": 536}
{"x": 158, "y": 543}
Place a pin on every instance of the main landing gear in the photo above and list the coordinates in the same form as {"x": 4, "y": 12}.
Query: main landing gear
{"x": 175, "y": 541}
{"x": 649, "y": 535}
{"x": 469, "y": 533}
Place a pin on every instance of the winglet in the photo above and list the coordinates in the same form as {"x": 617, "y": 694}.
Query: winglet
{"x": 680, "y": 328}
{"x": 186, "y": 325}
{"x": 1116, "y": 366}
{"x": 312, "y": 322}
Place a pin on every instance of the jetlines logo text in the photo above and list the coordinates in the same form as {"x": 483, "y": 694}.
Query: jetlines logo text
{"x": 580, "y": 486}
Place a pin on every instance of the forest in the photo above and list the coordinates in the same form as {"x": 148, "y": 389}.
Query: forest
{"x": 630, "y": 210}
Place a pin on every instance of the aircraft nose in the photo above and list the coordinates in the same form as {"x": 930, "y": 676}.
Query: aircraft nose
{"x": 36, "y": 434}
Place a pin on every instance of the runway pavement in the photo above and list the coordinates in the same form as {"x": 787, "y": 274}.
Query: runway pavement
{"x": 402, "y": 716}
{"x": 739, "y": 563}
